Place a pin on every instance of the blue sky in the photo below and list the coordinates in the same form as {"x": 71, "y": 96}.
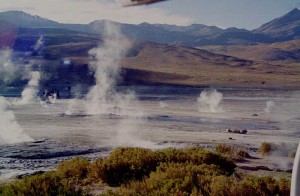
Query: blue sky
{"x": 227, "y": 13}
{"x": 247, "y": 14}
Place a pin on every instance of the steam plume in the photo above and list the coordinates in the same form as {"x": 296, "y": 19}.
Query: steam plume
{"x": 72, "y": 103}
{"x": 107, "y": 69}
{"x": 103, "y": 97}
{"x": 270, "y": 106}
{"x": 209, "y": 101}
{"x": 8, "y": 70}
{"x": 39, "y": 45}
{"x": 29, "y": 94}
{"x": 10, "y": 131}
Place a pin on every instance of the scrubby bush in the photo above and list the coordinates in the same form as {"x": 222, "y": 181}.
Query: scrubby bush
{"x": 224, "y": 185}
{"x": 195, "y": 156}
{"x": 225, "y": 149}
{"x": 175, "y": 179}
{"x": 265, "y": 148}
{"x": 76, "y": 169}
{"x": 124, "y": 164}
{"x": 49, "y": 184}
{"x": 233, "y": 153}
{"x": 139, "y": 171}
{"x": 260, "y": 186}
{"x": 251, "y": 185}
{"x": 284, "y": 186}
{"x": 189, "y": 179}
{"x": 243, "y": 154}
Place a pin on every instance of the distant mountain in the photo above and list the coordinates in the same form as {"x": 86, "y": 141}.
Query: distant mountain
{"x": 22, "y": 19}
{"x": 286, "y": 27}
{"x": 162, "y": 33}
{"x": 194, "y": 29}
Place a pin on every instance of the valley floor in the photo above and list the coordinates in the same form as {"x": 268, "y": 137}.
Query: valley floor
{"x": 160, "y": 117}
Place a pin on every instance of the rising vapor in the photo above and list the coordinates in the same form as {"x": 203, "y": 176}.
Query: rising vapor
{"x": 29, "y": 94}
{"x": 106, "y": 69}
{"x": 209, "y": 101}
{"x": 103, "y": 97}
{"x": 10, "y": 131}
{"x": 8, "y": 70}
{"x": 269, "y": 106}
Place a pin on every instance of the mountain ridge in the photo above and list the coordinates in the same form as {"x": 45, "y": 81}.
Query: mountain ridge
{"x": 193, "y": 35}
{"x": 286, "y": 26}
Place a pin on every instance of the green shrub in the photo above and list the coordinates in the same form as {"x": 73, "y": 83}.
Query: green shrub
{"x": 224, "y": 185}
{"x": 265, "y": 148}
{"x": 225, "y": 149}
{"x": 124, "y": 164}
{"x": 243, "y": 154}
{"x": 251, "y": 185}
{"x": 254, "y": 185}
{"x": 284, "y": 186}
{"x": 196, "y": 156}
{"x": 76, "y": 168}
{"x": 175, "y": 179}
{"x": 139, "y": 171}
{"x": 47, "y": 184}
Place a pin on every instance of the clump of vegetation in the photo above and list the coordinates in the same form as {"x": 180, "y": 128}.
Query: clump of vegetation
{"x": 49, "y": 183}
{"x": 175, "y": 179}
{"x": 125, "y": 164}
{"x": 186, "y": 179}
{"x": 279, "y": 149}
{"x": 139, "y": 171}
{"x": 76, "y": 168}
{"x": 265, "y": 148}
{"x": 243, "y": 154}
{"x": 233, "y": 153}
{"x": 252, "y": 185}
{"x": 225, "y": 149}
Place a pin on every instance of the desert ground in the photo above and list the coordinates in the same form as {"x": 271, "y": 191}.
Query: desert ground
{"x": 157, "y": 117}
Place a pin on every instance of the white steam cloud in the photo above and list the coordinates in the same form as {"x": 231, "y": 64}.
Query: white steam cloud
{"x": 72, "y": 103}
{"x": 10, "y": 131}
{"x": 8, "y": 70}
{"x": 209, "y": 101}
{"x": 129, "y": 108}
{"x": 270, "y": 105}
{"x": 103, "y": 98}
{"x": 39, "y": 44}
{"x": 107, "y": 70}
{"x": 29, "y": 94}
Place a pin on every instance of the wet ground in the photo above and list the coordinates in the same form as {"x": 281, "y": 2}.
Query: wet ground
{"x": 168, "y": 116}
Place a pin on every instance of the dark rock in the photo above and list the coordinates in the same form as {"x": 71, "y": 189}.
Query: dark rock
{"x": 244, "y": 131}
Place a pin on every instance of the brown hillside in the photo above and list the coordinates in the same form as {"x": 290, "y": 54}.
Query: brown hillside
{"x": 281, "y": 51}
{"x": 201, "y": 68}
{"x": 151, "y": 63}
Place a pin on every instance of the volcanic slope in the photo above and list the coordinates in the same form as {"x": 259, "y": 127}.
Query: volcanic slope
{"x": 159, "y": 63}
